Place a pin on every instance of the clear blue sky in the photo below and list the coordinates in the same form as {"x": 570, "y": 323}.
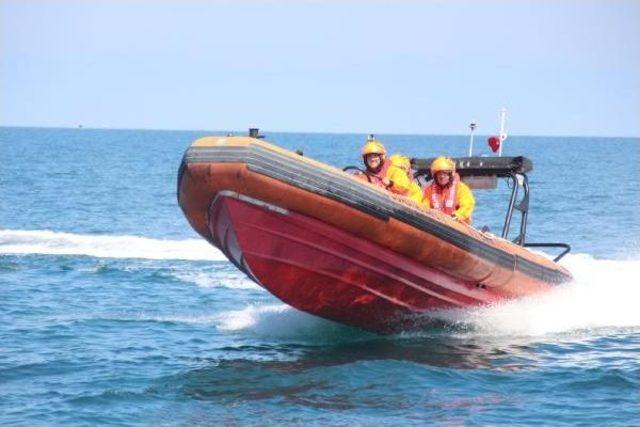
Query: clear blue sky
{"x": 560, "y": 67}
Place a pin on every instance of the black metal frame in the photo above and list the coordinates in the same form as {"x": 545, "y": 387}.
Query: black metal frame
{"x": 522, "y": 206}
{"x": 566, "y": 247}
{"x": 522, "y": 180}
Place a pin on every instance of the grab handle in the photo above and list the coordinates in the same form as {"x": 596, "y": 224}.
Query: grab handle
{"x": 566, "y": 247}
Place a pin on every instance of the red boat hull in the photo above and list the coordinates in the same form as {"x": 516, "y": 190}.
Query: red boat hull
{"x": 325, "y": 271}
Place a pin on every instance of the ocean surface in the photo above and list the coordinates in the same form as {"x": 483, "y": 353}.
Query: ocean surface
{"x": 114, "y": 312}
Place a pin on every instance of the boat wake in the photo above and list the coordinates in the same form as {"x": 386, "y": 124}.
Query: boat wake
{"x": 231, "y": 280}
{"x": 105, "y": 246}
{"x": 274, "y": 320}
{"x": 603, "y": 297}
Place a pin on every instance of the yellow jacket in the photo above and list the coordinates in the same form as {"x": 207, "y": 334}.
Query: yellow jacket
{"x": 415, "y": 193}
{"x": 401, "y": 182}
{"x": 465, "y": 202}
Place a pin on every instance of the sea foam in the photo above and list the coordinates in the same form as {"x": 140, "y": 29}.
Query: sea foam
{"x": 603, "y": 295}
{"x": 235, "y": 280}
{"x": 105, "y": 246}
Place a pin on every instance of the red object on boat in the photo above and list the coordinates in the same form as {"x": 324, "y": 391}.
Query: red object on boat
{"x": 494, "y": 143}
{"x": 336, "y": 247}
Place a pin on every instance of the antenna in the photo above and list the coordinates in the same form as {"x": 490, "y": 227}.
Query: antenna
{"x": 503, "y": 134}
{"x": 472, "y": 127}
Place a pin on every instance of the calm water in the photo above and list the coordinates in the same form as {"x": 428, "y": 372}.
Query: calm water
{"x": 112, "y": 311}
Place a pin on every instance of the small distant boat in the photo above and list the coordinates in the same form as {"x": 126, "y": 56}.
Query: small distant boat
{"x": 333, "y": 246}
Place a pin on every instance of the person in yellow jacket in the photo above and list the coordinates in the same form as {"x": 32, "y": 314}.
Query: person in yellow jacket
{"x": 447, "y": 193}
{"x": 394, "y": 173}
{"x": 402, "y": 179}
{"x": 375, "y": 162}
{"x": 391, "y": 173}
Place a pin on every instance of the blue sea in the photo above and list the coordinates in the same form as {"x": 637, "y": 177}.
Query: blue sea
{"x": 114, "y": 312}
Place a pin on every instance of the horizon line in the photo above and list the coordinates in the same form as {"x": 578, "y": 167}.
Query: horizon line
{"x": 235, "y": 131}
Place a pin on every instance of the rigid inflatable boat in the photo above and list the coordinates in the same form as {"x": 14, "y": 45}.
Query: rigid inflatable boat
{"x": 342, "y": 249}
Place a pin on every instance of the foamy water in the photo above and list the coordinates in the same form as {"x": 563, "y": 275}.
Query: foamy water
{"x": 603, "y": 295}
{"x": 212, "y": 280}
{"x": 105, "y": 246}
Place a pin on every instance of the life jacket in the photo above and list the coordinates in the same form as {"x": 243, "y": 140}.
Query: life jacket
{"x": 445, "y": 199}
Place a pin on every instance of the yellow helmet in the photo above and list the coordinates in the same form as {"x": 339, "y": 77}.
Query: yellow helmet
{"x": 400, "y": 161}
{"x": 373, "y": 147}
{"x": 442, "y": 164}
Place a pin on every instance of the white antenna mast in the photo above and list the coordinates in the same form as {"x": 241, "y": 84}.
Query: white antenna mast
{"x": 472, "y": 127}
{"x": 503, "y": 134}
